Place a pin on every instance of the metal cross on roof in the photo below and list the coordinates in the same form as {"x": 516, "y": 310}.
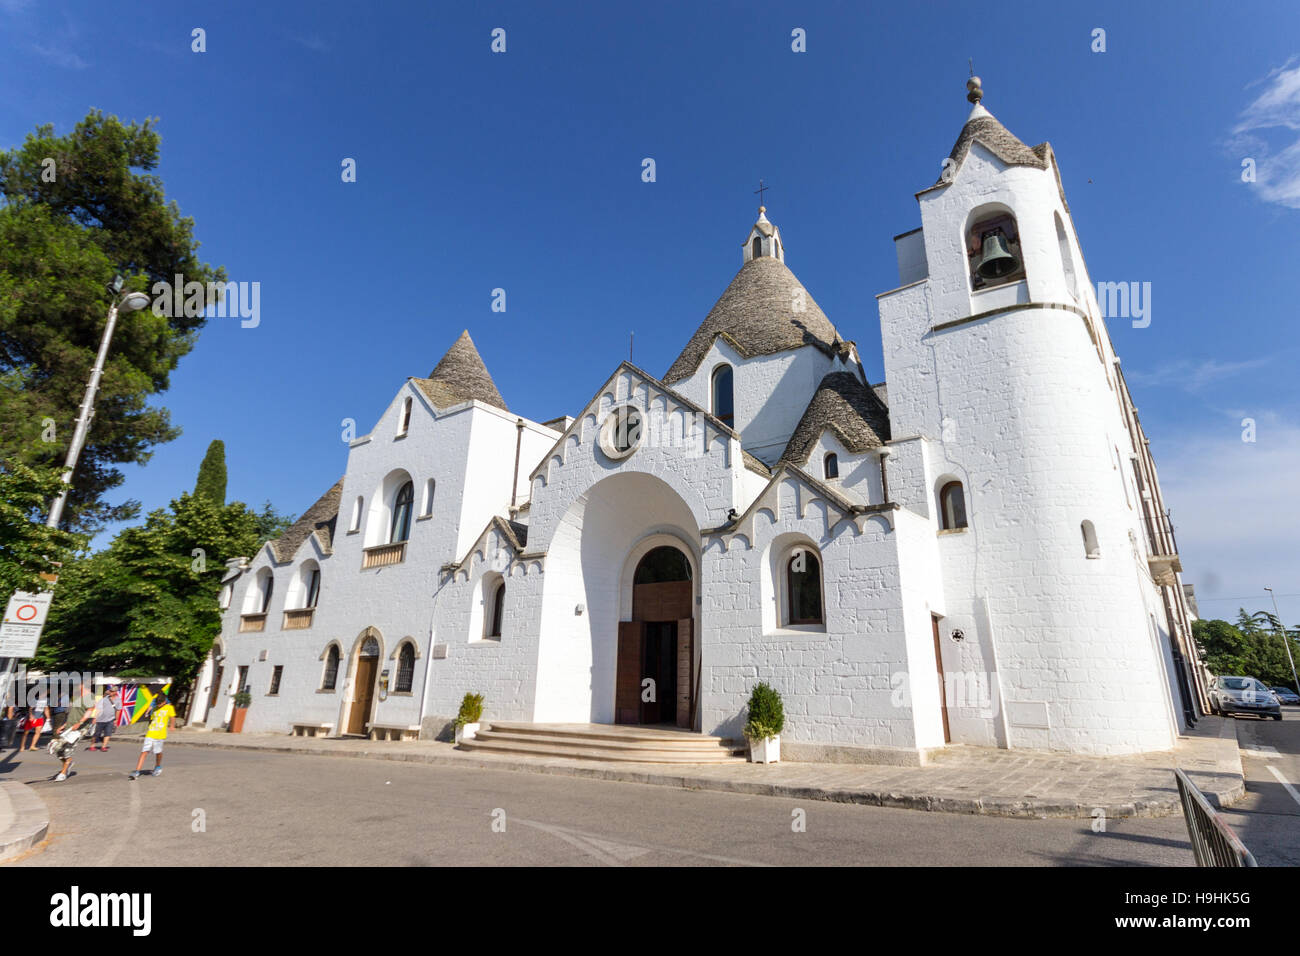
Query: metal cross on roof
{"x": 759, "y": 192}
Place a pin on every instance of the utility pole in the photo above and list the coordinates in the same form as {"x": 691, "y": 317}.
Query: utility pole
{"x": 1286, "y": 641}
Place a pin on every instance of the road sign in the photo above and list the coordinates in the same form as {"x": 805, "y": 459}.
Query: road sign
{"x": 24, "y": 618}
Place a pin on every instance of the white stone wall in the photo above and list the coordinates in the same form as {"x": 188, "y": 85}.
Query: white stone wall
{"x": 1021, "y": 408}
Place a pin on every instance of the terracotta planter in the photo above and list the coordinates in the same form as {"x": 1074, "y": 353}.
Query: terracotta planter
{"x": 237, "y": 720}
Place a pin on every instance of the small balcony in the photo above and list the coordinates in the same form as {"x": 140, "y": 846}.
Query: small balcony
{"x": 1163, "y": 559}
{"x": 383, "y": 555}
{"x": 298, "y": 619}
{"x": 252, "y": 622}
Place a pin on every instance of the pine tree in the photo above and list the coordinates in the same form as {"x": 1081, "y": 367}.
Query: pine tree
{"x": 212, "y": 474}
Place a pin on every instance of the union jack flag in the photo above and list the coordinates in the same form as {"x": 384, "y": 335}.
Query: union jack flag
{"x": 126, "y": 701}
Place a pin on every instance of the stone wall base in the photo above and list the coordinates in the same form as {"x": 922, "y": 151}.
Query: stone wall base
{"x": 801, "y": 751}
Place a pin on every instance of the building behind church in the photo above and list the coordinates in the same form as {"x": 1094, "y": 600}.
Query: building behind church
{"x": 978, "y": 553}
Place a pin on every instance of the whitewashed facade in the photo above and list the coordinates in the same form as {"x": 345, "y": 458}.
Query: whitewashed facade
{"x": 988, "y": 541}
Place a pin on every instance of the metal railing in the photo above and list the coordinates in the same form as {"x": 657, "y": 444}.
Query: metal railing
{"x": 1213, "y": 841}
{"x": 1160, "y": 533}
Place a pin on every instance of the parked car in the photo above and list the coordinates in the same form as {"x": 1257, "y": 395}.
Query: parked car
{"x": 1244, "y": 695}
{"x": 1286, "y": 695}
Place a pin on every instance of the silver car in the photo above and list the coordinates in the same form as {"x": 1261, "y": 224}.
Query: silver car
{"x": 1244, "y": 695}
{"x": 1286, "y": 695}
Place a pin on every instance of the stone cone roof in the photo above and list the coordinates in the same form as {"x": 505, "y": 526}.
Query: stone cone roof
{"x": 1000, "y": 141}
{"x": 850, "y": 409}
{"x": 460, "y": 376}
{"x": 319, "y": 518}
{"x": 756, "y": 315}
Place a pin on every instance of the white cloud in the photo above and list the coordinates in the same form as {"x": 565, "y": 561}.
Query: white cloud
{"x": 64, "y": 58}
{"x": 1233, "y": 505}
{"x": 314, "y": 42}
{"x": 1277, "y": 159}
{"x": 1190, "y": 375}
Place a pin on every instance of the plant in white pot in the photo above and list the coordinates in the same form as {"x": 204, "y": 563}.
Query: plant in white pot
{"x": 467, "y": 721}
{"x": 765, "y": 723}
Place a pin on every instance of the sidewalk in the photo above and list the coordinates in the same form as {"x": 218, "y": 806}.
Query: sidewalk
{"x": 1012, "y": 783}
{"x": 24, "y": 819}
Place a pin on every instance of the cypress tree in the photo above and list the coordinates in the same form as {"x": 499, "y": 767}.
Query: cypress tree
{"x": 212, "y": 474}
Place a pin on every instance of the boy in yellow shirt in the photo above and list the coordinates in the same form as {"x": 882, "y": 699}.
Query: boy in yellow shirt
{"x": 160, "y": 721}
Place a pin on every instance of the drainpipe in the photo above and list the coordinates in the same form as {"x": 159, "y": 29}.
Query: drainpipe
{"x": 514, "y": 482}
{"x": 882, "y": 453}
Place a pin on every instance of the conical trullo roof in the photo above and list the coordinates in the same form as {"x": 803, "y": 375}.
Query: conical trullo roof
{"x": 459, "y": 376}
{"x": 1001, "y": 142}
{"x": 764, "y": 310}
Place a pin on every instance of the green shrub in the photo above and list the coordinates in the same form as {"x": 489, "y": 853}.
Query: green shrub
{"x": 766, "y": 712}
{"x": 243, "y": 698}
{"x": 471, "y": 709}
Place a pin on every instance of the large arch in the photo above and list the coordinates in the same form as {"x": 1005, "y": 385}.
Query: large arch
{"x": 589, "y": 563}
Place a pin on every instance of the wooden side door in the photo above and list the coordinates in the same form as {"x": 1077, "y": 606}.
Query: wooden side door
{"x": 365, "y": 692}
{"x": 216, "y": 686}
{"x": 943, "y": 691}
{"x": 627, "y": 677}
{"x": 685, "y": 671}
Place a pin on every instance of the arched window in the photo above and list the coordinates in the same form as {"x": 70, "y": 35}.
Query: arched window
{"x": 724, "y": 408}
{"x": 268, "y": 586}
{"x": 356, "y": 514}
{"x": 755, "y": 249}
{"x": 430, "y": 487}
{"x": 831, "y": 466}
{"x": 331, "y": 677}
{"x": 403, "y": 502}
{"x": 1067, "y": 259}
{"x": 405, "y": 668}
{"x": 804, "y": 587}
{"x": 952, "y": 507}
{"x": 313, "y": 588}
{"x": 993, "y": 249}
{"x": 496, "y": 611}
{"x": 1090, "y": 546}
{"x": 405, "y": 421}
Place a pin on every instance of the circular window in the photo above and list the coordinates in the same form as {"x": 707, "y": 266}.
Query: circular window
{"x": 620, "y": 435}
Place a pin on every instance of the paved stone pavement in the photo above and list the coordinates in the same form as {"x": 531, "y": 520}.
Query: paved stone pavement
{"x": 959, "y": 780}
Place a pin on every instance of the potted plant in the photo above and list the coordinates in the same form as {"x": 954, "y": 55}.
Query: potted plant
{"x": 241, "y": 700}
{"x": 766, "y": 721}
{"x": 471, "y": 709}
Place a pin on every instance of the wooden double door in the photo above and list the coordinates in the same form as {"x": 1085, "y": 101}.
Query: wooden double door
{"x": 654, "y": 682}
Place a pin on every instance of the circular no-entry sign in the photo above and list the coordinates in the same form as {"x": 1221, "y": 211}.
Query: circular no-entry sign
{"x": 25, "y": 612}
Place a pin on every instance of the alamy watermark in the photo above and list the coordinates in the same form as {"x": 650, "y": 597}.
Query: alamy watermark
{"x": 192, "y": 299}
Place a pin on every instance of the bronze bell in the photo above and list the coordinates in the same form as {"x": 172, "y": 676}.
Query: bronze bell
{"x": 996, "y": 260}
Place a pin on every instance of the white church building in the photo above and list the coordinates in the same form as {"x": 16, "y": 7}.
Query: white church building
{"x": 977, "y": 554}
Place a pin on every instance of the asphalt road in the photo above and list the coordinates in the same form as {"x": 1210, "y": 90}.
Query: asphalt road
{"x": 223, "y": 807}
{"x": 1268, "y": 820}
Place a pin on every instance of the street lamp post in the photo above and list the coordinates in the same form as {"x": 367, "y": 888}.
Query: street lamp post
{"x": 131, "y": 302}
{"x": 1285, "y": 641}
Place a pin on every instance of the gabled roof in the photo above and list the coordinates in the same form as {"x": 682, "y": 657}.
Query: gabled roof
{"x": 320, "y": 519}
{"x": 756, "y": 315}
{"x": 459, "y": 377}
{"x": 515, "y": 534}
{"x": 849, "y": 409}
{"x": 983, "y": 127}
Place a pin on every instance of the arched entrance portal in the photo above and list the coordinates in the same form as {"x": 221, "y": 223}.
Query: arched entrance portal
{"x": 363, "y": 684}
{"x": 656, "y": 649}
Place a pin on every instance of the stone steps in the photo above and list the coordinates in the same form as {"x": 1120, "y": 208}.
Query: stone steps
{"x": 602, "y": 742}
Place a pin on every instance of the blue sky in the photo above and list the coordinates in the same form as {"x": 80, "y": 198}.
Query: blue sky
{"x": 522, "y": 171}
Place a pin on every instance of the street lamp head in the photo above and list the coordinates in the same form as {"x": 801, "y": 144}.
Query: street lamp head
{"x": 133, "y": 302}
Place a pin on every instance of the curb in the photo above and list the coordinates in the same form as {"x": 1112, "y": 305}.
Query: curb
{"x": 1153, "y": 805}
{"x": 30, "y": 820}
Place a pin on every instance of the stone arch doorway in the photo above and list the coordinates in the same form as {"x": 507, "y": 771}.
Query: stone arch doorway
{"x": 655, "y": 677}
{"x": 365, "y": 670}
